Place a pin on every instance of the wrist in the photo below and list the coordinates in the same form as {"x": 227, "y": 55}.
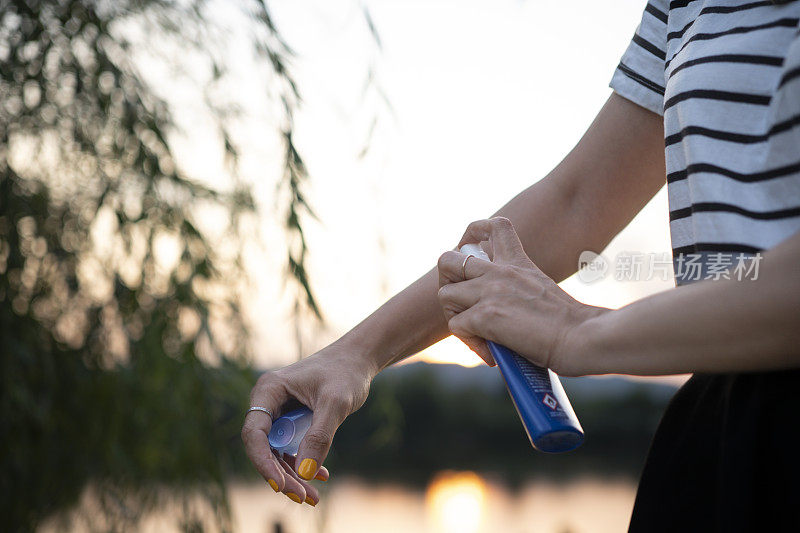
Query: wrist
{"x": 357, "y": 354}
{"x": 577, "y": 354}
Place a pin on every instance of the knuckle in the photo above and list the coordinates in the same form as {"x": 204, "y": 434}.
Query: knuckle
{"x": 318, "y": 439}
{"x": 476, "y": 227}
{"x": 501, "y": 222}
{"x": 340, "y": 404}
{"x": 489, "y": 310}
{"x": 449, "y": 312}
{"x": 487, "y": 315}
{"x": 265, "y": 382}
{"x": 443, "y": 293}
{"x": 269, "y": 386}
{"x": 495, "y": 286}
{"x": 445, "y": 259}
{"x": 475, "y": 223}
{"x": 265, "y": 379}
{"x": 456, "y": 325}
{"x": 452, "y": 325}
{"x": 247, "y": 434}
{"x": 504, "y": 271}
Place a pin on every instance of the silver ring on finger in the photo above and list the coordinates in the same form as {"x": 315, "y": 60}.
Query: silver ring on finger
{"x": 464, "y": 266}
{"x": 261, "y": 409}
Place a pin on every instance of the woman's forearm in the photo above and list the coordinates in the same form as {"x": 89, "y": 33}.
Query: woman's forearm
{"x": 720, "y": 326}
{"x": 413, "y": 319}
{"x": 406, "y": 324}
{"x": 587, "y": 199}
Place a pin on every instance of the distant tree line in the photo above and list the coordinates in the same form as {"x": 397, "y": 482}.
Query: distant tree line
{"x": 413, "y": 425}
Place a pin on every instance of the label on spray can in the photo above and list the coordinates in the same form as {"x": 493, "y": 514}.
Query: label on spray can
{"x": 540, "y": 382}
{"x": 538, "y": 396}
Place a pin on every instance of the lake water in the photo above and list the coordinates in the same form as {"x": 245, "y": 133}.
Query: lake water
{"x": 461, "y": 502}
{"x": 453, "y": 502}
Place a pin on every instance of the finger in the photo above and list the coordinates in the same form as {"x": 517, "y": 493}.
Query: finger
{"x": 311, "y": 493}
{"x": 479, "y": 346}
{"x": 322, "y": 475}
{"x": 462, "y": 325}
{"x": 503, "y": 239}
{"x": 305, "y": 493}
{"x": 466, "y": 325}
{"x": 453, "y": 268}
{"x": 458, "y": 297}
{"x": 317, "y": 441}
{"x": 294, "y": 489}
{"x": 255, "y": 431}
{"x": 257, "y": 447}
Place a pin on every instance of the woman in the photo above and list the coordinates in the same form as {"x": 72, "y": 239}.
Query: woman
{"x": 708, "y": 94}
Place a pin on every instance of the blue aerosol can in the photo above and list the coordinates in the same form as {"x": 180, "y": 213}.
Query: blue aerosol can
{"x": 537, "y": 393}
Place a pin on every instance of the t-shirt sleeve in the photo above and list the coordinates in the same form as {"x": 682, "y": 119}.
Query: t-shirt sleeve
{"x": 639, "y": 77}
{"x": 783, "y": 137}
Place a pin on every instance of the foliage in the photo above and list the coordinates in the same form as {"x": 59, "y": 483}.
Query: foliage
{"x": 120, "y": 325}
{"x": 424, "y": 418}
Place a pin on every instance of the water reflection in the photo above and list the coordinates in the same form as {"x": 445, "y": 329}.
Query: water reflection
{"x": 453, "y": 502}
{"x": 456, "y": 501}
{"x": 461, "y": 502}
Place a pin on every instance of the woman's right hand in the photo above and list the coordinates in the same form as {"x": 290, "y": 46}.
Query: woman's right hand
{"x": 333, "y": 383}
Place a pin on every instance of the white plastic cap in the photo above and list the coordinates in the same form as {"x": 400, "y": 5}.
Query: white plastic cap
{"x": 476, "y": 250}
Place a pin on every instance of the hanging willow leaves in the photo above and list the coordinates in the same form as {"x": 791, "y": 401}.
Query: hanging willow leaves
{"x": 123, "y": 369}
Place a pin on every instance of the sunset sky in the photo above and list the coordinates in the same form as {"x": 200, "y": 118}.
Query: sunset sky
{"x": 486, "y": 97}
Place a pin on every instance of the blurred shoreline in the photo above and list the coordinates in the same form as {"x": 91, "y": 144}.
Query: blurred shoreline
{"x": 354, "y": 505}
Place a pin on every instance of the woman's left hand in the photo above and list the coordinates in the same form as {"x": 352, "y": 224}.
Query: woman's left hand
{"x": 509, "y": 300}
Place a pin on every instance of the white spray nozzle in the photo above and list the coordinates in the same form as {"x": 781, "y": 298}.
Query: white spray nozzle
{"x": 476, "y": 250}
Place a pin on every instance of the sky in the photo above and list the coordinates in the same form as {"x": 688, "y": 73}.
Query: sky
{"x": 484, "y": 98}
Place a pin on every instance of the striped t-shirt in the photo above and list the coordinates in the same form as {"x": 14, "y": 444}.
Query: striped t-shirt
{"x": 726, "y": 77}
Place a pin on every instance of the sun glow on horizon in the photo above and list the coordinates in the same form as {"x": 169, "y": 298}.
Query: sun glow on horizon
{"x": 456, "y": 502}
{"x": 449, "y": 351}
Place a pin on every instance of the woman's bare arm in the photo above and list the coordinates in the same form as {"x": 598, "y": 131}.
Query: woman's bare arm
{"x": 608, "y": 177}
{"x": 592, "y": 194}
{"x": 745, "y": 321}
{"x": 729, "y": 325}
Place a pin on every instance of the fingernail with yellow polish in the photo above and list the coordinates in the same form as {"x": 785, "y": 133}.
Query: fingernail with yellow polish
{"x": 310, "y": 502}
{"x": 307, "y": 469}
{"x": 273, "y": 484}
{"x": 294, "y": 497}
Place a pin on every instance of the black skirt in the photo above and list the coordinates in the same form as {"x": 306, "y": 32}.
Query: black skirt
{"x": 725, "y": 457}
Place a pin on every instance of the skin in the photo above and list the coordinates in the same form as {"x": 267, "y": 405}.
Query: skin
{"x": 535, "y": 241}
{"x": 725, "y": 326}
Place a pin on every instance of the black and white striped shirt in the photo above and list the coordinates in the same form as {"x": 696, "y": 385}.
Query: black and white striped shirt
{"x": 726, "y": 77}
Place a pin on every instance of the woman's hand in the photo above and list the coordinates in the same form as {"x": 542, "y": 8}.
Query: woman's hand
{"x": 333, "y": 383}
{"x": 509, "y": 300}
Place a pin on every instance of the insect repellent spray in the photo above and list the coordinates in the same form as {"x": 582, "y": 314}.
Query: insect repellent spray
{"x": 289, "y": 429}
{"x": 537, "y": 393}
